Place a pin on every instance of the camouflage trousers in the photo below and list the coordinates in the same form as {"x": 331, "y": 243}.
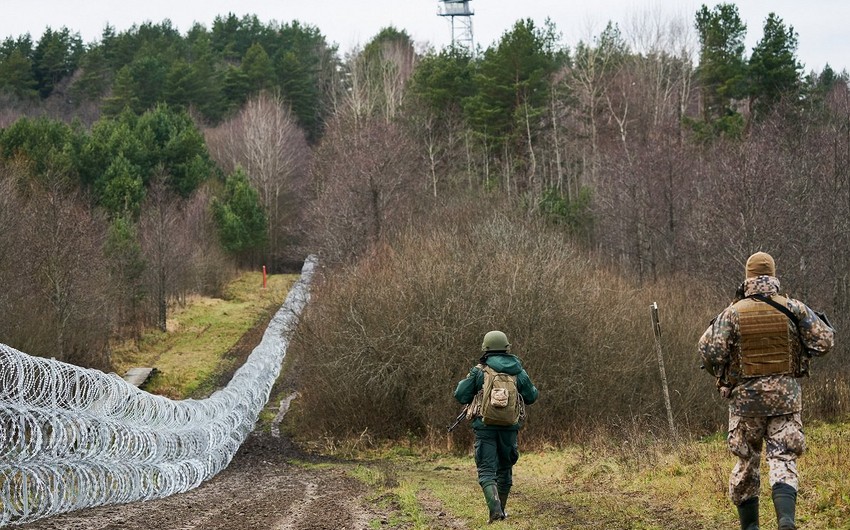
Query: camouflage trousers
{"x": 785, "y": 442}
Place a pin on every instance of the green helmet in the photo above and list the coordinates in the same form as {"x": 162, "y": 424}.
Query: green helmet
{"x": 495, "y": 341}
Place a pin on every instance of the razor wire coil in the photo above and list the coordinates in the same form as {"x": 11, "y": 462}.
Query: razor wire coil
{"x": 73, "y": 438}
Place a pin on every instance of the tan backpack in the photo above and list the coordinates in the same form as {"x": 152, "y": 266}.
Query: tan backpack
{"x": 499, "y": 402}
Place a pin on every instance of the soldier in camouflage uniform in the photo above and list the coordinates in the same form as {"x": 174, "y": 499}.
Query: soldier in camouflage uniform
{"x": 756, "y": 351}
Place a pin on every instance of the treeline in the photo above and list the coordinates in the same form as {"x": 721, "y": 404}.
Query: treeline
{"x": 211, "y": 71}
{"x": 250, "y": 143}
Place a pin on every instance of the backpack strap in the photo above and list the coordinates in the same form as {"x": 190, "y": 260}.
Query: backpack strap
{"x": 779, "y": 307}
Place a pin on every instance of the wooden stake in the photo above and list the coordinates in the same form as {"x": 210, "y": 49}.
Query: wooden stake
{"x": 656, "y": 328}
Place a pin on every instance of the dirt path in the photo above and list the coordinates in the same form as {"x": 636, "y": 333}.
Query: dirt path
{"x": 260, "y": 489}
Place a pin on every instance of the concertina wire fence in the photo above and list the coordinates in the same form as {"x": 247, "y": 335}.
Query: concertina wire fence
{"x": 73, "y": 438}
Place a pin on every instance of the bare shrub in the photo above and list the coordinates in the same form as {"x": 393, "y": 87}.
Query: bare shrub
{"x": 57, "y": 299}
{"x": 384, "y": 342}
{"x": 827, "y": 395}
{"x": 210, "y": 269}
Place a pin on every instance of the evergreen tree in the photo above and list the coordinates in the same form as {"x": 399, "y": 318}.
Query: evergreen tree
{"x": 512, "y": 83}
{"x": 774, "y": 73}
{"x": 239, "y": 217}
{"x": 258, "y": 69}
{"x": 122, "y": 188}
{"x": 123, "y": 95}
{"x": 236, "y": 87}
{"x": 109, "y": 138}
{"x": 138, "y": 86}
{"x": 722, "y": 71}
{"x": 305, "y": 67}
{"x": 205, "y": 78}
{"x": 133, "y": 149}
{"x": 55, "y": 57}
{"x": 48, "y": 148}
{"x": 173, "y": 145}
{"x": 16, "y": 75}
{"x": 443, "y": 80}
{"x": 94, "y": 77}
{"x": 180, "y": 84}
{"x": 128, "y": 265}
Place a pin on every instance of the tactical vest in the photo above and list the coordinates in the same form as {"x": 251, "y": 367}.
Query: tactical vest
{"x": 765, "y": 343}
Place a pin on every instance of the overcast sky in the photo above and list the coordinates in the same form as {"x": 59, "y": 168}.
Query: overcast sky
{"x": 820, "y": 24}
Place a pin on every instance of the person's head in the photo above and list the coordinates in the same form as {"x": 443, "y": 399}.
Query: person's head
{"x": 495, "y": 341}
{"x": 760, "y": 264}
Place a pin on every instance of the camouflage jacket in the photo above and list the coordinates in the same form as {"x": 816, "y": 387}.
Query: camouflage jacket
{"x": 770, "y": 395}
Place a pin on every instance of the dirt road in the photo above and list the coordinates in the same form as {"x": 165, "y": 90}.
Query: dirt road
{"x": 260, "y": 489}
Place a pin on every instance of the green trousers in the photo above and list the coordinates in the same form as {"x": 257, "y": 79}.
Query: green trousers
{"x": 495, "y": 455}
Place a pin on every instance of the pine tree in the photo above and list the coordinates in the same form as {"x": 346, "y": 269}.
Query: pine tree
{"x": 722, "y": 71}
{"x": 774, "y": 72}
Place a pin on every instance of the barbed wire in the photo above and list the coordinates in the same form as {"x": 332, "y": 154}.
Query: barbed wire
{"x": 73, "y": 438}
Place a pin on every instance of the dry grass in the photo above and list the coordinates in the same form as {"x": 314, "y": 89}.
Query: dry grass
{"x": 200, "y": 333}
{"x": 598, "y": 485}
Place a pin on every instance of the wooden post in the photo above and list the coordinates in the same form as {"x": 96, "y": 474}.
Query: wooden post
{"x": 656, "y": 328}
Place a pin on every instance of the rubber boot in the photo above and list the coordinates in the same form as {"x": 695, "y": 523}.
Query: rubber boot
{"x": 491, "y": 495}
{"x": 785, "y": 504}
{"x": 748, "y": 513}
{"x": 503, "y": 500}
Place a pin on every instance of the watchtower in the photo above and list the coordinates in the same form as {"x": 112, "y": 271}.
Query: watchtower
{"x": 461, "y": 18}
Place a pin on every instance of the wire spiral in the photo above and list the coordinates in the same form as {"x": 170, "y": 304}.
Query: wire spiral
{"x": 73, "y": 438}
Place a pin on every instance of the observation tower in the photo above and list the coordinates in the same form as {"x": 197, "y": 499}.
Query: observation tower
{"x": 461, "y": 18}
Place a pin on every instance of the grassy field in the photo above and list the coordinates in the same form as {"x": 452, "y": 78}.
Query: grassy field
{"x": 192, "y": 355}
{"x": 634, "y": 485}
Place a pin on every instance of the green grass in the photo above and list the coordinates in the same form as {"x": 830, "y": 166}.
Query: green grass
{"x": 190, "y": 355}
{"x": 605, "y": 485}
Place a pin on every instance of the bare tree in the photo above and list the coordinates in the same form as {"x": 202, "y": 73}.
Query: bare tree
{"x": 365, "y": 181}
{"x": 211, "y": 268}
{"x": 594, "y": 64}
{"x": 357, "y": 100}
{"x": 375, "y": 80}
{"x": 70, "y": 316}
{"x": 398, "y": 60}
{"x": 640, "y": 182}
{"x": 160, "y": 229}
{"x": 265, "y": 140}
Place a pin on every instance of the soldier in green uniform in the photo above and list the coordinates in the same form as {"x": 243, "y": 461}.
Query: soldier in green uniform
{"x": 756, "y": 348}
{"x": 496, "y": 449}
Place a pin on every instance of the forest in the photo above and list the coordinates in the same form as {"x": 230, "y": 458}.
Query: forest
{"x": 552, "y": 190}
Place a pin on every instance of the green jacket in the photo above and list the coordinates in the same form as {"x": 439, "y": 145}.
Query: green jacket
{"x": 504, "y": 363}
